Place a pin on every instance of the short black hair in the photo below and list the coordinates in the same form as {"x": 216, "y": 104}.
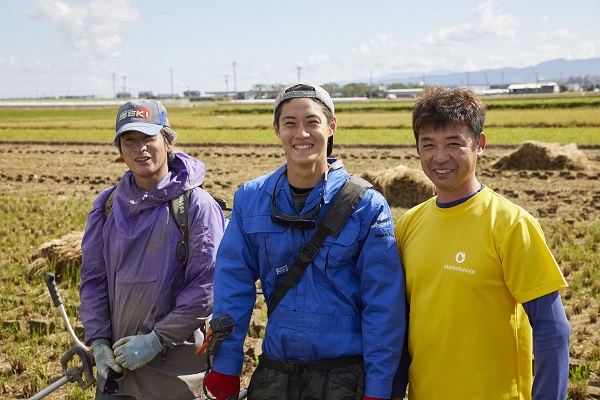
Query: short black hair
{"x": 441, "y": 107}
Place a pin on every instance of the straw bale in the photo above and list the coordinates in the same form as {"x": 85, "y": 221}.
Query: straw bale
{"x": 533, "y": 155}
{"x": 401, "y": 186}
{"x": 59, "y": 253}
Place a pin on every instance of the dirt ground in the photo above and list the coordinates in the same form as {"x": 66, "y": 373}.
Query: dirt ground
{"x": 86, "y": 169}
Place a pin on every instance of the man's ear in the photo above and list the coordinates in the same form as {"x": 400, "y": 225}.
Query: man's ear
{"x": 481, "y": 144}
{"x": 332, "y": 126}
{"x": 276, "y": 129}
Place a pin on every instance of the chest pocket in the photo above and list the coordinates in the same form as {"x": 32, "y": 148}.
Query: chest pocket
{"x": 276, "y": 249}
{"x": 341, "y": 252}
{"x": 272, "y": 246}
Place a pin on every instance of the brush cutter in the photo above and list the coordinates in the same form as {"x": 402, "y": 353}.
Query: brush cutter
{"x": 82, "y": 374}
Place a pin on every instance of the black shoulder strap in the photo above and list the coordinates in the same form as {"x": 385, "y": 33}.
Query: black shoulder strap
{"x": 179, "y": 211}
{"x": 342, "y": 207}
{"x": 108, "y": 204}
{"x": 178, "y": 208}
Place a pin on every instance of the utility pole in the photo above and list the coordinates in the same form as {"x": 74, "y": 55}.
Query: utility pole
{"x": 536, "y": 74}
{"x": 234, "y": 82}
{"x": 114, "y": 92}
{"x": 299, "y": 69}
{"x": 227, "y": 87}
{"x": 172, "y": 93}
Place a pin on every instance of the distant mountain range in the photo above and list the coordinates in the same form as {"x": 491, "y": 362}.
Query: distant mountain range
{"x": 561, "y": 71}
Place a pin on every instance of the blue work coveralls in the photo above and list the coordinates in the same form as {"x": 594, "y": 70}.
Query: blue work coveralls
{"x": 350, "y": 300}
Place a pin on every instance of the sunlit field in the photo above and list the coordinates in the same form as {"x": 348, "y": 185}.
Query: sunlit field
{"x": 54, "y": 162}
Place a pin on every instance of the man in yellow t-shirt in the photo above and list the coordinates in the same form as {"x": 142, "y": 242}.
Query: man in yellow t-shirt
{"x": 481, "y": 284}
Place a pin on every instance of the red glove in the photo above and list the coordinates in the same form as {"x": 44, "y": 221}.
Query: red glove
{"x": 222, "y": 386}
{"x": 371, "y": 398}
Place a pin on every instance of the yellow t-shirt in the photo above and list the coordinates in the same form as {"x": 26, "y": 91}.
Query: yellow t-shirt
{"x": 467, "y": 269}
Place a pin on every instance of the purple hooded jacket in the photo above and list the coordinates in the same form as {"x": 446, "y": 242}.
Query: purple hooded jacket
{"x": 128, "y": 271}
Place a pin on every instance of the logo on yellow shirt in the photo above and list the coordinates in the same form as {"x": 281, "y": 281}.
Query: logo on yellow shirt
{"x": 460, "y": 258}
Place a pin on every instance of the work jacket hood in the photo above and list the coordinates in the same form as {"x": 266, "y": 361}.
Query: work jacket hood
{"x": 133, "y": 280}
{"x": 184, "y": 173}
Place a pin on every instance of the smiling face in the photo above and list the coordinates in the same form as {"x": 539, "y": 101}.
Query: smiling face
{"x": 448, "y": 158}
{"x": 146, "y": 157}
{"x": 303, "y": 130}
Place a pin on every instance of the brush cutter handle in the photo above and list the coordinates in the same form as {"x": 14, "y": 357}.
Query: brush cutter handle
{"x": 83, "y": 375}
{"x": 58, "y": 302}
{"x": 51, "y": 283}
{"x": 111, "y": 386}
{"x": 45, "y": 392}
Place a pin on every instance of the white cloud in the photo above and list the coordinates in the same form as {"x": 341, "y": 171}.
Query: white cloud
{"x": 88, "y": 39}
{"x": 485, "y": 23}
{"x": 549, "y": 51}
{"x": 558, "y": 34}
{"x": 318, "y": 59}
{"x": 387, "y": 55}
{"x": 36, "y": 65}
{"x": 9, "y": 64}
{"x": 489, "y": 39}
{"x": 376, "y": 46}
{"x": 587, "y": 49}
{"x": 89, "y": 29}
{"x": 51, "y": 9}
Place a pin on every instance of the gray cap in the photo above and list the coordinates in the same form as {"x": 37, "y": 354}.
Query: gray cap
{"x": 142, "y": 115}
{"x": 319, "y": 93}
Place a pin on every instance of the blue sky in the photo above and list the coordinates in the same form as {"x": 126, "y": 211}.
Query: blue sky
{"x": 97, "y": 47}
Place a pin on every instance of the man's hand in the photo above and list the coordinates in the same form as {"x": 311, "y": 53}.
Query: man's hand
{"x": 104, "y": 357}
{"x": 132, "y": 352}
{"x": 222, "y": 386}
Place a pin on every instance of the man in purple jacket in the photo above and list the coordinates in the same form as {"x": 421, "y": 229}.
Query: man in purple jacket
{"x": 141, "y": 306}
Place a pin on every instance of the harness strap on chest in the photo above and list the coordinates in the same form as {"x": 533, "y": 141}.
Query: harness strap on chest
{"x": 332, "y": 223}
{"x": 179, "y": 211}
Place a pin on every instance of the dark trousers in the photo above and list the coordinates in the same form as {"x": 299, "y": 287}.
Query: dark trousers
{"x": 341, "y": 383}
{"x": 102, "y": 396}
